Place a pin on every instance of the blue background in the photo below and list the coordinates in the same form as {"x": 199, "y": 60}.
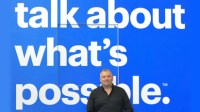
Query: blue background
{"x": 157, "y": 56}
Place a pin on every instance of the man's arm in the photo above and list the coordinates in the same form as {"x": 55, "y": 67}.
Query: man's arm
{"x": 127, "y": 104}
{"x": 90, "y": 103}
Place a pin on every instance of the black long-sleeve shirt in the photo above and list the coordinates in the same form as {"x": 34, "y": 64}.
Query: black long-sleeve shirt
{"x": 116, "y": 101}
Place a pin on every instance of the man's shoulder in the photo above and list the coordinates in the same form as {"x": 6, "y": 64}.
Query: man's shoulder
{"x": 97, "y": 89}
{"x": 119, "y": 88}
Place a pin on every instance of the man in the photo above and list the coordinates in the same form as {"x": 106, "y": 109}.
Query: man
{"x": 108, "y": 97}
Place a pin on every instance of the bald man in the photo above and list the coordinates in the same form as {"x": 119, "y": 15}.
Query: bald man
{"x": 108, "y": 97}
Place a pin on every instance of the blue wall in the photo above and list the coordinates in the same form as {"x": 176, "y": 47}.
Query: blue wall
{"x": 156, "y": 60}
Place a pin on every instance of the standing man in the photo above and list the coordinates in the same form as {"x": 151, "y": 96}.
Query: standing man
{"x": 108, "y": 97}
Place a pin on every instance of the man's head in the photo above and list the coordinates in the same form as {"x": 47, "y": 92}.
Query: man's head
{"x": 106, "y": 77}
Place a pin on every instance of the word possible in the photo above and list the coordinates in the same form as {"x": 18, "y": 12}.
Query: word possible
{"x": 69, "y": 93}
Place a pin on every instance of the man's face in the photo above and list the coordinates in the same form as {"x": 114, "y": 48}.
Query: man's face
{"x": 106, "y": 78}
